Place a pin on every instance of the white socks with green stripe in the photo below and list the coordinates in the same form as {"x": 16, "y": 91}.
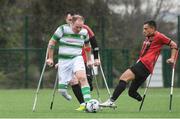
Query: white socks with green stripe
{"x": 62, "y": 88}
{"x": 86, "y": 93}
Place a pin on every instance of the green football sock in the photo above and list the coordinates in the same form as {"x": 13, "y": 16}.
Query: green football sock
{"x": 62, "y": 86}
{"x": 86, "y": 93}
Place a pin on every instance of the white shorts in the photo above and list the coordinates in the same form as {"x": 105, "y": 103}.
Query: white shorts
{"x": 67, "y": 69}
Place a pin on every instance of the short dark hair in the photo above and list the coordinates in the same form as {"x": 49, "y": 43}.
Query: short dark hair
{"x": 73, "y": 13}
{"x": 70, "y": 12}
{"x": 151, "y": 23}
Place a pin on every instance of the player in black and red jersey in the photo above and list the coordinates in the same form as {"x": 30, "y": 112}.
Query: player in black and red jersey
{"x": 139, "y": 72}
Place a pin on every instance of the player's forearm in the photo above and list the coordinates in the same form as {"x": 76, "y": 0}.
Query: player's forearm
{"x": 174, "y": 49}
{"x": 95, "y": 47}
{"x": 173, "y": 53}
{"x": 50, "y": 53}
{"x": 51, "y": 47}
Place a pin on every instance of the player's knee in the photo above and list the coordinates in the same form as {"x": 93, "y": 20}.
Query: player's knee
{"x": 81, "y": 78}
{"x": 83, "y": 81}
{"x": 73, "y": 82}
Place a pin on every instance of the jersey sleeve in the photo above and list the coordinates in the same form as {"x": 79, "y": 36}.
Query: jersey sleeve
{"x": 86, "y": 41}
{"x": 58, "y": 33}
{"x": 90, "y": 32}
{"x": 165, "y": 39}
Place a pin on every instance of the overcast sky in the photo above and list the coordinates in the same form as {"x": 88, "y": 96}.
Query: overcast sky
{"x": 171, "y": 15}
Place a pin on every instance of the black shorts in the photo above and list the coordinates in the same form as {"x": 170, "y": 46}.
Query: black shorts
{"x": 140, "y": 71}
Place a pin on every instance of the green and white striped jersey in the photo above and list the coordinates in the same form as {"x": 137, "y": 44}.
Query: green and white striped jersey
{"x": 70, "y": 43}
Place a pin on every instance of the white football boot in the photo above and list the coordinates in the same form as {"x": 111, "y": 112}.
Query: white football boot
{"x": 65, "y": 94}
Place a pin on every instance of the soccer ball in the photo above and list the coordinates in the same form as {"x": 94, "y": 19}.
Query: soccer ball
{"x": 92, "y": 106}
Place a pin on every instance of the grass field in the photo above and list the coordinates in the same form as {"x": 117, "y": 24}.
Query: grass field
{"x": 18, "y": 104}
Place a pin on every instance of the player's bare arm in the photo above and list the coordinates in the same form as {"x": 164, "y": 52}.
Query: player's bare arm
{"x": 51, "y": 47}
{"x": 174, "y": 49}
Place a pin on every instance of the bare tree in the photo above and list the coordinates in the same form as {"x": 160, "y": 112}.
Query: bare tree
{"x": 128, "y": 27}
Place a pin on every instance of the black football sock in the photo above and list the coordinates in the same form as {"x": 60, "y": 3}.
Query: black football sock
{"x": 77, "y": 92}
{"x": 135, "y": 84}
{"x": 89, "y": 77}
{"x": 135, "y": 95}
{"x": 118, "y": 90}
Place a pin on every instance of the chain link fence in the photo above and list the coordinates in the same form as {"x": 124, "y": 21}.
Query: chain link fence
{"x": 21, "y": 68}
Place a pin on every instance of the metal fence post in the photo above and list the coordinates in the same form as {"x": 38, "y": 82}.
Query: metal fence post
{"x": 109, "y": 68}
{"x": 166, "y": 68}
{"x": 178, "y": 61}
{"x": 26, "y": 50}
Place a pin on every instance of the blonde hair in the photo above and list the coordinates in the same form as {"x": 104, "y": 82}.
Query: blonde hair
{"x": 76, "y": 17}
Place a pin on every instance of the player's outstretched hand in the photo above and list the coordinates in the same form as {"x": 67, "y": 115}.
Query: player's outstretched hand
{"x": 50, "y": 62}
{"x": 56, "y": 65}
{"x": 89, "y": 63}
{"x": 170, "y": 60}
{"x": 97, "y": 62}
